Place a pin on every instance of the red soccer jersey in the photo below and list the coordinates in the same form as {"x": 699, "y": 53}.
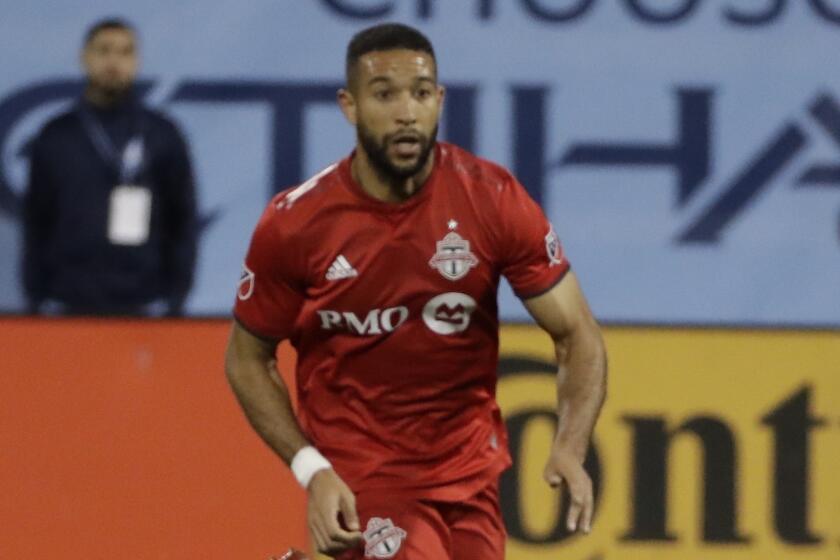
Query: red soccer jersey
{"x": 392, "y": 310}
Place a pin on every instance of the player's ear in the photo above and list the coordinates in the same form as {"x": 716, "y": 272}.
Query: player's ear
{"x": 348, "y": 105}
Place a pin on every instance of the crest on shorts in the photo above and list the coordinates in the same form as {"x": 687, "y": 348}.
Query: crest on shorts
{"x": 553, "y": 247}
{"x": 453, "y": 258}
{"x": 246, "y": 283}
{"x": 382, "y": 538}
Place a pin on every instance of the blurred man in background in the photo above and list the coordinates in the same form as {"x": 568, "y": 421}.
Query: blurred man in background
{"x": 383, "y": 270}
{"x": 110, "y": 212}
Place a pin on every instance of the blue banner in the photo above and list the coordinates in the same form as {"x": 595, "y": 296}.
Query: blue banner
{"x": 687, "y": 151}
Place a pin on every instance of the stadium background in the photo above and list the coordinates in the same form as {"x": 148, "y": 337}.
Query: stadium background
{"x": 687, "y": 153}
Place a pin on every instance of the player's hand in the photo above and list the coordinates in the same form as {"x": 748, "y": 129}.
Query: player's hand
{"x": 565, "y": 468}
{"x": 329, "y": 496}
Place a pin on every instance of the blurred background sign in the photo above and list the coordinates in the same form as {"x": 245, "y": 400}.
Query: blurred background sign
{"x": 713, "y": 445}
{"x": 687, "y": 151}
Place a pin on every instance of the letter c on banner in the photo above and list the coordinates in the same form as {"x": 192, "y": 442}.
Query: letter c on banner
{"x": 825, "y": 12}
{"x": 756, "y": 18}
{"x": 347, "y": 9}
{"x": 648, "y": 15}
{"x": 567, "y": 14}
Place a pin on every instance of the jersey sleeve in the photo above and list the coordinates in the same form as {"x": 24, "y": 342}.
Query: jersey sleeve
{"x": 270, "y": 293}
{"x": 532, "y": 257}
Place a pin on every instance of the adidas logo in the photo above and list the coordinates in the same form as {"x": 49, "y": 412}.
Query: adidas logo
{"x": 340, "y": 268}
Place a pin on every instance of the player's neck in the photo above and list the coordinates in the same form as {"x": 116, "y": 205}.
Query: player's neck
{"x": 384, "y": 188}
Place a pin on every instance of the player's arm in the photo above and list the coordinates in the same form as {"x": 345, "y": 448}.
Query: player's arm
{"x": 581, "y": 389}
{"x": 264, "y": 397}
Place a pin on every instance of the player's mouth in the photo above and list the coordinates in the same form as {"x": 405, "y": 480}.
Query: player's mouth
{"x": 407, "y": 145}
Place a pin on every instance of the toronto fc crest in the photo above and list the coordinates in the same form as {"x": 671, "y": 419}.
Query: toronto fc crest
{"x": 382, "y": 538}
{"x": 453, "y": 258}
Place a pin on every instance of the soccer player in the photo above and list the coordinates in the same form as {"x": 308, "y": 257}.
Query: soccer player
{"x": 382, "y": 270}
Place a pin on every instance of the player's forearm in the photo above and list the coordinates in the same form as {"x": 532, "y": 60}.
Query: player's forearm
{"x": 266, "y": 404}
{"x": 581, "y": 387}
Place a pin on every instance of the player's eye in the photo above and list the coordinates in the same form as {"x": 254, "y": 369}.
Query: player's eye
{"x": 383, "y": 94}
{"x": 424, "y": 93}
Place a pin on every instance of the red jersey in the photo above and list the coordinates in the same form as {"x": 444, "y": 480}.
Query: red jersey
{"x": 392, "y": 310}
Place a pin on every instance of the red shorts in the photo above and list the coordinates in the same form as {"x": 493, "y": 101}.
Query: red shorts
{"x": 411, "y": 529}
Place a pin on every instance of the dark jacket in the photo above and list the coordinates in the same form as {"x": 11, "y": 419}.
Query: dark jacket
{"x": 68, "y": 256}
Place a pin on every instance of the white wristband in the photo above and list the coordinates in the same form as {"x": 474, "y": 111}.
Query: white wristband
{"x": 306, "y": 463}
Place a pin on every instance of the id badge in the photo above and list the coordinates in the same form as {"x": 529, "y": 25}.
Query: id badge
{"x": 129, "y": 215}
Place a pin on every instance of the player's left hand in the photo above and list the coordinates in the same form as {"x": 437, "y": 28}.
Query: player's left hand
{"x": 565, "y": 468}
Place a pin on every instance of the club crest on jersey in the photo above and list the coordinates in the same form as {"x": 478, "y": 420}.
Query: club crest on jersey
{"x": 453, "y": 258}
{"x": 246, "y": 283}
{"x": 382, "y": 538}
{"x": 553, "y": 247}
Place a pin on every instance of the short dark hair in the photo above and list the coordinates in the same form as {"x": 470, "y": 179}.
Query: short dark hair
{"x": 107, "y": 23}
{"x": 385, "y": 37}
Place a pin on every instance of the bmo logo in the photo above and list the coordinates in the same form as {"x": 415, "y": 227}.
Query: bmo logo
{"x": 377, "y": 321}
{"x": 445, "y": 314}
{"x": 449, "y": 313}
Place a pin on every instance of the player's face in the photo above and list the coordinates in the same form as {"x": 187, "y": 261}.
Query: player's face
{"x": 396, "y": 106}
{"x": 110, "y": 60}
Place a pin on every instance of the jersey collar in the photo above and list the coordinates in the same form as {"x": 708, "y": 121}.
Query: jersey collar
{"x": 381, "y": 205}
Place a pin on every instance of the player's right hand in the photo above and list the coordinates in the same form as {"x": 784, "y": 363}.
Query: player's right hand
{"x": 564, "y": 467}
{"x": 329, "y": 496}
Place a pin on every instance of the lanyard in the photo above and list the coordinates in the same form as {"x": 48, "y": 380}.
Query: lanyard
{"x": 129, "y": 163}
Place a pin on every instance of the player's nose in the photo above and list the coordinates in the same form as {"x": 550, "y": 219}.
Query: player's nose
{"x": 406, "y": 111}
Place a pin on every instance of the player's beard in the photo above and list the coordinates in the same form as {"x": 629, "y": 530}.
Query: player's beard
{"x": 377, "y": 153}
